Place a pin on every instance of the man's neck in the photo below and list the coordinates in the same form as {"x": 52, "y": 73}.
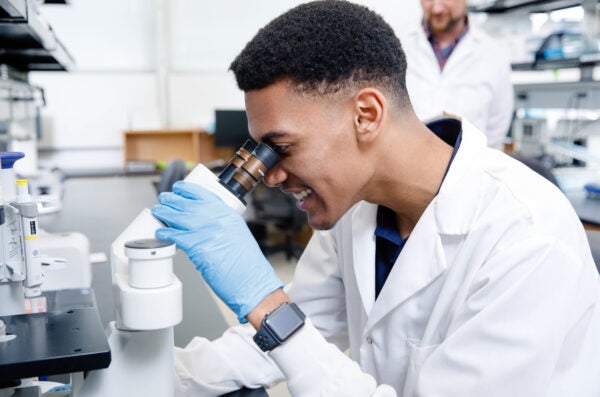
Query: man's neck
{"x": 410, "y": 180}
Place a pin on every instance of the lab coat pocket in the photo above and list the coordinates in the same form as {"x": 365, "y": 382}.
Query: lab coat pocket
{"x": 416, "y": 354}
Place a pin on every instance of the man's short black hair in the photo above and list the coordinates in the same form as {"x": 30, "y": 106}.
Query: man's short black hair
{"x": 324, "y": 46}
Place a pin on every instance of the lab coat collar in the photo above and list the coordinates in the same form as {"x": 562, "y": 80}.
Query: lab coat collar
{"x": 364, "y": 222}
{"x": 459, "y": 196}
{"x": 423, "y": 258}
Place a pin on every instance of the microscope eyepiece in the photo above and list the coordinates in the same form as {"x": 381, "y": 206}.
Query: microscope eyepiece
{"x": 247, "y": 168}
{"x": 242, "y": 155}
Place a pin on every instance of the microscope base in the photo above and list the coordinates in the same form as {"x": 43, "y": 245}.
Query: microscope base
{"x": 141, "y": 366}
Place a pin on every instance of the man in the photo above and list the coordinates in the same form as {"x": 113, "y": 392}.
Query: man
{"x": 445, "y": 267}
{"x": 452, "y": 66}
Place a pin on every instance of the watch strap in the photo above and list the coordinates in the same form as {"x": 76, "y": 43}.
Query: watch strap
{"x": 265, "y": 340}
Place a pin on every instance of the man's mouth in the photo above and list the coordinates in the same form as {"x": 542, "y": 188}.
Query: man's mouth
{"x": 301, "y": 196}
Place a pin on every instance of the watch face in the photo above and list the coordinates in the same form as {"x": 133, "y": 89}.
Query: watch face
{"x": 284, "y": 322}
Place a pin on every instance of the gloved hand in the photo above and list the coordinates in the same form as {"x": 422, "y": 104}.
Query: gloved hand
{"x": 217, "y": 240}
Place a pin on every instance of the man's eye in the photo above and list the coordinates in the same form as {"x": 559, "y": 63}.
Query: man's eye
{"x": 280, "y": 149}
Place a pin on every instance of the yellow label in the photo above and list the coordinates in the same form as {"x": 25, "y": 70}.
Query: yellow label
{"x": 34, "y": 237}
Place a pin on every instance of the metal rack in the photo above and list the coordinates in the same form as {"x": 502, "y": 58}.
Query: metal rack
{"x": 28, "y": 41}
{"x": 589, "y": 31}
{"x": 501, "y": 6}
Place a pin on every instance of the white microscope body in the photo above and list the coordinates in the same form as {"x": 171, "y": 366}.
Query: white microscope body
{"x": 148, "y": 296}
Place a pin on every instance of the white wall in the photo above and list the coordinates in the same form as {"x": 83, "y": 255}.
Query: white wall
{"x": 208, "y": 35}
{"x": 115, "y": 85}
{"x": 205, "y": 39}
{"x": 90, "y": 109}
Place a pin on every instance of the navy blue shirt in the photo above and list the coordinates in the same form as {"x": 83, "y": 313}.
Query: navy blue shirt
{"x": 388, "y": 242}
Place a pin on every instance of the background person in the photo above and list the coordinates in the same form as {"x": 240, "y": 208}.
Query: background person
{"x": 454, "y": 67}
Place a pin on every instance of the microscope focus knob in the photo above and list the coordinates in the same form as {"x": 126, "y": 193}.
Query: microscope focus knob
{"x": 150, "y": 263}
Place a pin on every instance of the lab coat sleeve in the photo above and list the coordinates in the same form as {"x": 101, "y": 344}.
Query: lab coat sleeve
{"x": 523, "y": 306}
{"x": 314, "y": 367}
{"x": 212, "y": 368}
{"x": 318, "y": 289}
{"x": 311, "y": 365}
{"x": 502, "y": 104}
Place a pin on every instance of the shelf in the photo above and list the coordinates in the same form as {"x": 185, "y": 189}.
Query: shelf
{"x": 500, "y": 6}
{"x": 13, "y": 9}
{"x": 40, "y": 59}
{"x": 582, "y": 94}
{"x": 196, "y": 146}
{"x": 28, "y": 42}
{"x": 555, "y": 64}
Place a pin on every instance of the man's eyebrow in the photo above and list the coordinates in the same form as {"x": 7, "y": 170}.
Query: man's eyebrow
{"x": 269, "y": 136}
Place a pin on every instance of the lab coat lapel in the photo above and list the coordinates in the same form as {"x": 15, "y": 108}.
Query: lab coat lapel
{"x": 364, "y": 221}
{"x": 421, "y": 261}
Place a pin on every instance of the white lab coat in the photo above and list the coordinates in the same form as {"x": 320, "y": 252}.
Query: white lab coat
{"x": 474, "y": 83}
{"x": 494, "y": 294}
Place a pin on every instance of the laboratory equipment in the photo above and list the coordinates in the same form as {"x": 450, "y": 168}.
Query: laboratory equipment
{"x": 13, "y": 270}
{"x": 66, "y": 260}
{"x": 147, "y": 293}
{"x": 30, "y": 245}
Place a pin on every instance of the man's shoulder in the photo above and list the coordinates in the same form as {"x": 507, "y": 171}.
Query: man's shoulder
{"x": 491, "y": 50}
{"x": 482, "y": 38}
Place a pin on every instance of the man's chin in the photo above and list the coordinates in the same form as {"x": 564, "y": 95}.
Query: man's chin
{"x": 437, "y": 28}
{"x": 320, "y": 224}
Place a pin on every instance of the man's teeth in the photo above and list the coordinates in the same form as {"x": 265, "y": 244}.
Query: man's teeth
{"x": 302, "y": 194}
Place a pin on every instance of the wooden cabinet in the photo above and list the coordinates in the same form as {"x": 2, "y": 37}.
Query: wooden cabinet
{"x": 152, "y": 146}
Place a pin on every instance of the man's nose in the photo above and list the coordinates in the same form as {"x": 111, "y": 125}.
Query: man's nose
{"x": 437, "y": 6}
{"x": 275, "y": 176}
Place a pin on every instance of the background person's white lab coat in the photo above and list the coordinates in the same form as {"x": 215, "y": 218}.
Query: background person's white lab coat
{"x": 494, "y": 294}
{"x": 474, "y": 83}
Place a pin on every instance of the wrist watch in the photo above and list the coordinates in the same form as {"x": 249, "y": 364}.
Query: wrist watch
{"x": 279, "y": 325}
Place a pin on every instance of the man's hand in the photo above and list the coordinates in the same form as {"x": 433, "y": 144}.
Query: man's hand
{"x": 219, "y": 243}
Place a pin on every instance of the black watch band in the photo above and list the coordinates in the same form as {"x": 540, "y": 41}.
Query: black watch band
{"x": 279, "y": 325}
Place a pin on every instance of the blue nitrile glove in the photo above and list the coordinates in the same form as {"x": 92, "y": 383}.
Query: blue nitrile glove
{"x": 217, "y": 240}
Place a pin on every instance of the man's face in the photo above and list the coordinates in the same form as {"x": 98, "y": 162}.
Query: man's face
{"x": 314, "y": 137}
{"x": 442, "y": 16}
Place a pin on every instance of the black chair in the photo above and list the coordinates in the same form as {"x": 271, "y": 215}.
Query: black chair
{"x": 276, "y": 210}
{"x": 174, "y": 171}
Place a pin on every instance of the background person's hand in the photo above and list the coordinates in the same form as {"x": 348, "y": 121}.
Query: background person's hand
{"x": 219, "y": 243}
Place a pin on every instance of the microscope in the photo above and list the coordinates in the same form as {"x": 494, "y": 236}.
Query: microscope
{"x": 148, "y": 296}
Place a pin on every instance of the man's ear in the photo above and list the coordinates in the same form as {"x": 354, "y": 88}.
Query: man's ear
{"x": 369, "y": 109}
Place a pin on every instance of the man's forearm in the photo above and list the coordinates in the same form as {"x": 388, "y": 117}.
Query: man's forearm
{"x": 267, "y": 305}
